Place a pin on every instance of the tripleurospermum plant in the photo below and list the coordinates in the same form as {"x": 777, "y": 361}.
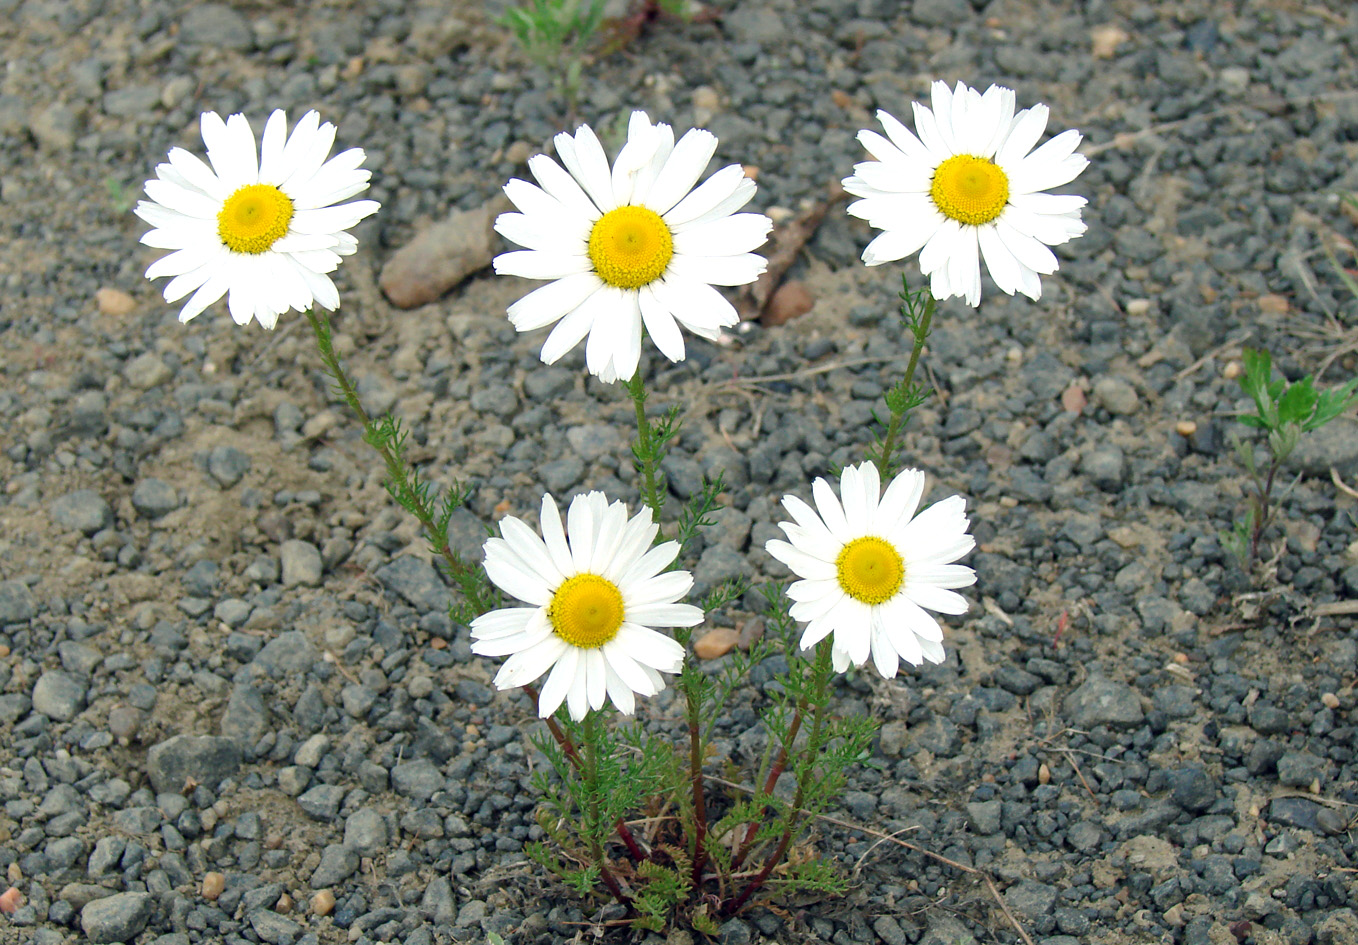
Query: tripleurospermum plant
{"x": 589, "y": 612}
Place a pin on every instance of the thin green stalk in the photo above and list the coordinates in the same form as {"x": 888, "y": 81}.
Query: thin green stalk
{"x": 904, "y": 397}
{"x": 813, "y": 746}
{"x": 591, "y": 773}
{"x": 771, "y": 781}
{"x": 399, "y": 473}
{"x": 651, "y": 492}
{"x": 698, "y": 850}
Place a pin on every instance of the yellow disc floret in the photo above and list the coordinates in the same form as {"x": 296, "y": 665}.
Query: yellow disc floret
{"x": 630, "y": 247}
{"x": 972, "y": 190}
{"x": 870, "y": 570}
{"x": 254, "y": 218}
{"x": 586, "y": 610}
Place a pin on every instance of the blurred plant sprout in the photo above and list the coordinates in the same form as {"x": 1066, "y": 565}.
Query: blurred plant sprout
{"x": 1284, "y": 412}
{"x": 554, "y": 34}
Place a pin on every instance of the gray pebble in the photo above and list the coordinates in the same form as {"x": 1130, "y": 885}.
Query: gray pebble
{"x": 227, "y": 465}
{"x": 365, "y": 832}
{"x": 1296, "y": 769}
{"x": 1029, "y": 899}
{"x": 437, "y": 902}
{"x": 1116, "y": 395}
{"x": 246, "y": 718}
{"x": 301, "y": 563}
{"x": 288, "y": 654}
{"x": 83, "y": 511}
{"x": 206, "y": 759}
{"x": 593, "y": 441}
{"x": 16, "y": 603}
{"x": 117, "y": 918}
{"x": 1101, "y": 701}
{"x": 218, "y": 26}
{"x": 417, "y": 582}
{"x": 322, "y": 801}
{"x": 58, "y": 696}
{"x": 1192, "y": 788}
{"x": 153, "y": 498}
{"x": 337, "y": 864}
{"x": 274, "y": 928}
{"x": 418, "y": 779}
{"x": 985, "y": 816}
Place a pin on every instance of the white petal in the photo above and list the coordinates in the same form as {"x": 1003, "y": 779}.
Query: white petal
{"x": 1026, "y": 128}
{"x": 550, "y": 302}
{"x": 719, "y": 270}
{"x": 722, "y": 194}
{"x": 831, "y": 512}
{"x": 669, "y": 615}
{"x": 559, "y": 682}
{"x": 584, "y": 157}
{"x": 738, "y": 233}
{"x": 531, "y": 264}
{"x": 685, "y": 165}
{"x": 660, "y": 324}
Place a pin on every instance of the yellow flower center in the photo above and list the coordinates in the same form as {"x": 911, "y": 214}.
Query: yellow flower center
{"x": 972, "y": 190}
{"x": 870, "y": 570}
{"x": 630, "y": 246}
{"x": 586, "y": 610}
{"x": 254, "y": 218}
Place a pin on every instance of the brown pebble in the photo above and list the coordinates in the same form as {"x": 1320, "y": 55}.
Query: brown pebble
{"x": 4, "y": 651}
{"x": 273, "y": 841}
{"x": 1330, "y": 700}
{"x": 1181, "y": 658}
{"x": 323, "y": 902}
{"x": 213, "y": 885}
{"x": 14, "y": 874}
{"x": 10, "y": 900}
{"x": 1073, "y": 398}
{"x": 751, "y": 631}
{"x": 715, "y": 642}
{"x": 1186, "y": 427}
{"x": 114, "y": 302}
{"x": 519, "y": 152}
{"x": 1231, "y": 371}
{"x": 443, "y": 255}
{"x": 790, "y": 300}
{"x": 751, "y": 171}
{"x": 1044, "y": 774}
{"x": 284, "y": 904}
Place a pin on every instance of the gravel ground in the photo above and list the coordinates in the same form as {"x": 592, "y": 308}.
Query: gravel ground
{"x": 228, "y": 683}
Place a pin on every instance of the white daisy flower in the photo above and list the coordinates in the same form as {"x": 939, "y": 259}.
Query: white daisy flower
{"x": 635, "y": 245}
{"x": 870, "y": 567}
{"x": 265, "y": 229}
{"x": 592, "y": 604}
{"x": 968, "y": 183}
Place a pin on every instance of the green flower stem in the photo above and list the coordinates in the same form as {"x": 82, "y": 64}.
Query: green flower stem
{"x": 905, "y": 397}
{"x": 818, "y": 700}
{"x": 651, "y": 492}
{"x": 399, "y": 474}
{"x": 698, "y": 851}
{"x": 591, "y": 776}
{"x": 573, "y": 756}
{"x": 775, "y": 772}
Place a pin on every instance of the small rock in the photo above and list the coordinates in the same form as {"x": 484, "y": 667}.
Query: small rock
{"x": 246, "y": 718}
{"x": 311, "y": 751}
{"x": 1333, "y": 445}
{"x": 716, "y": 642}
{"x": 985, "y": 816}
{"x": 733, "y": 932}
{"x": 55, "y": 127}
{"x": 227, "y": 465}
{"x": 1192, "y": 788}
{"x": 16, "y": 603}
{"x": 289, "y": 654}
{"x": 1295, "y": 812}
{"x": 1100, "y": 701}
{"x": 1030, "y": 900}
{"x": 365, "y": 832}
{"x": 301, "y": 563}
{"x": 153, "y": 498}
{"x": 124, "y": 722}
{"x": 274, "y": 928}
{"x": 323, "y": 903}
{"x": 216, "y": 25}
{"x": 1116, "y": 396}
{"x": 418, "y": 779}
{"x": 438, "y": 903}
{"x": 443, "y": 255}
{"x": 146, "y": 371}
{"x": 337, "y": 864}
{"x": 593, "y": 441}
{"x": 322, "y": 802}
{"x": 117, "y": 918}
{"x": 790, "y": 300}
{"x": 114, "y": 302}
{"x": 10, "y": 900}
{"x": 418, "y": 582}
{"x": 58, "y": 696}
{"x": 83, "y": 511}
{"x": 213, "y": 885}
{"x": 1295, "y": 768}
{"x": 206, "y": 759}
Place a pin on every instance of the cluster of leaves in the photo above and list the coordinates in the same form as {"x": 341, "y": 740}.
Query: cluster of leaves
{"x": 1283, "y": 412}
{"x": 555, "y": 34}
